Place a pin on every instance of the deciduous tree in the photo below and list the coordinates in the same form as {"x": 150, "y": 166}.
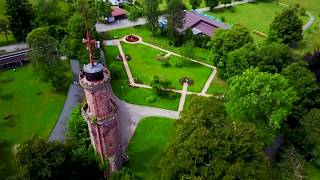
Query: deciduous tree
{"x": 195, "y": 3}
{"x": 240, "y": 60}
{"x": 311, "y": 125}
{"x": 306, "y": 86}
{"x": 4, "y": 27}
{"x": 45, "y": 60}
{"x": 151, "y": 11}
{"x": 20, "y": 16}
{"x": 287, "y": 26}
{"x": 175, "y": 17}
{"x": 261, "y": 98}
{"x": 212, "y": 3}
{"x": 208, "y": 146}
{"x": 225, "y": 41}
{"x": 273, "y": 57}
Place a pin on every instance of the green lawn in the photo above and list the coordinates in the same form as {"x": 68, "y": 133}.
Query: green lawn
{"x": 158, "y": 40}
{"x": 255, "y": 16}
{"x": 35, "y": 109}
{"x": 149, "y": 141}
{"x": 218, "y": 85}
{"x": 136, "y": 95}
{"x": 145, "y": 66}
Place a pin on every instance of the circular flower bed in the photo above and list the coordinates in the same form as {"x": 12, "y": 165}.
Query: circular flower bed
{"x": 186, "y": 80}
{"x": 132, "y": 38}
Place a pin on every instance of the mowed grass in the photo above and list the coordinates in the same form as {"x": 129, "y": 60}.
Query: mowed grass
{"x": 158, "y": 40}
{"x": 136, "y": 95}
{"x": 218, "y": 86}
{"x": 145, "y": 66}
{"x": 255, "y": 16}
{"x": 34, "y": 107}
{"x": 149, "y": 141}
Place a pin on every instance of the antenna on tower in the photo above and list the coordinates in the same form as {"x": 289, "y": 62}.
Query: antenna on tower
{"x": 90, "y": 43}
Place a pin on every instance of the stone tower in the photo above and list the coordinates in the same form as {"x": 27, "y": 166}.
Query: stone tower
{"x": 100, "y": 113}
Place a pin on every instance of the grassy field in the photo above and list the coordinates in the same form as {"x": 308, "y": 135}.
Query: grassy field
{"x": 145, "y": 66}
{"x": 158, "y": 40}
{"x": 218, "y": 85}
{"x": 136, "y": 95}
{"x": 149, "y": 141}
{"x": 34, "y": 109}
{"x": 255, "y": 16}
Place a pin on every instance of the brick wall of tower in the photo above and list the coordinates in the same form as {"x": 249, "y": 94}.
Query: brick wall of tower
{"x": 101, "y": 116}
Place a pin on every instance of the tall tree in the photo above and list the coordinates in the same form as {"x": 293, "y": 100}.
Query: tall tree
{"x": 46, "y": 12}
{"x": 45, "y": 60}
{"x": 152, "y": 12}
{"x": 287, "y": 26}
{"x": 212, "y": 3}
{"x": 225, "y": 41}
{"x": 40, "y": 159}
{"x": 102, "y": 8}
{"x": 311, "y": 125}
{"x": 306, "y": 86}
{"x": 262, "y": 98}
{"x": 195, "y": 3}
{"x": 175, "y": 16}
{"x": 134, "y": 14}
{"x": 273, "y": 57}
{"x": 20, "y": 16}
{"x": 225, "y": 2}
{"x": 4, "y": 27}
{"x": 240, "y": 59}
{"x": 204, "y": 146}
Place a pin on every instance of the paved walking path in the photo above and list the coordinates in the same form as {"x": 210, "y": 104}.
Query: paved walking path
{"x": 117, "y": 43}
{"x": 309, "y": 23}
{"x": 209, "y": 81}
{"x": 223, "y": 6}
{"x": 175, "y": 54}
{"x": 75, "y": 96}
{"x": 14, "y": 47}
{"x": 125, "y": 23}
{"x": 183, "y": 97}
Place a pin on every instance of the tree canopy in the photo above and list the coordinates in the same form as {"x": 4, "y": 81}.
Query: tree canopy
{"x": 151, "y": 11}
{"x": 208, "y": 146}
{"x": 20, "y": 16}
{"x": 287, "y": 26}
{"x": 261, "y": 98}
{"x": 304, "y": 83}
{"x": 225, "y": 41}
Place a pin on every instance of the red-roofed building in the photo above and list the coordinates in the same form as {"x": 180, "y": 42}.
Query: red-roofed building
{"x": 117, "y": 14}
{"x": 201, "y": 24}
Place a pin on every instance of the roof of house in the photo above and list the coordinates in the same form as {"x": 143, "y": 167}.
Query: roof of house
{"x": 201, "y": 22}
{"x": 118, "y": 12}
